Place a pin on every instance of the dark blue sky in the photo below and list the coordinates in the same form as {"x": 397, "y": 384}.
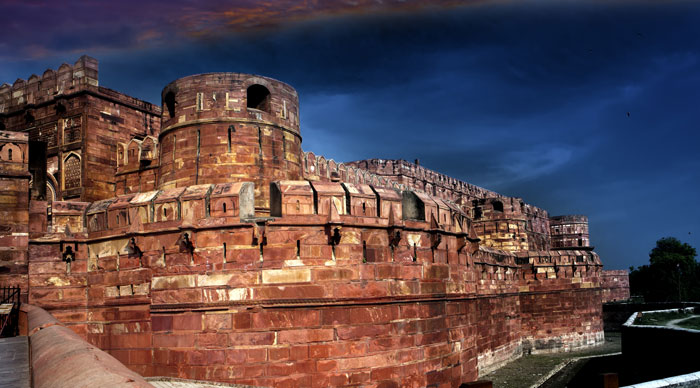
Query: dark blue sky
{"x": 528, "y": 98}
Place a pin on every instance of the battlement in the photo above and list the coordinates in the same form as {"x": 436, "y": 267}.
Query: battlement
{"x": 358, "y": 223}
{"x": 419, "y": 177}
{"x": 572, "y": 219}
{"x": 320, "y": 168}
{"x": 203, "y": 204}
{"x": 191, "y": 239}
{"x": 66, "y": 79}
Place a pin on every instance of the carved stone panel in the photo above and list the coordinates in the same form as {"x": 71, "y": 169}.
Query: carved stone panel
{"x": 72, "y": 130}
{"x": 71, "y": 172}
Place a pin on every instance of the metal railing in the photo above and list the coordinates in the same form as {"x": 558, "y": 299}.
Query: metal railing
{"x": 9, "y": 314}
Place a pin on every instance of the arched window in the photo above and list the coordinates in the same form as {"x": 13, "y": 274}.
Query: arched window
{"x": 169, "y": 101}
{"x": 10, "y": 151}
{"x": 50, "y": 191}
{"x": 120, "y": 155}
{"x": 258, "y": 97}
{"x": 498, "y": 206}
{"x": 71, "y": 172}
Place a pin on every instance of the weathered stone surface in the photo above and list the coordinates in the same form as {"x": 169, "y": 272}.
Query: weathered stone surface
{"x": 272, "y": 276}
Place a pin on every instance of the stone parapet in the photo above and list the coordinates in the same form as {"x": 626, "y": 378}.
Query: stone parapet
{"x": 61, "y": 359}
{"x": 322, "y": 292}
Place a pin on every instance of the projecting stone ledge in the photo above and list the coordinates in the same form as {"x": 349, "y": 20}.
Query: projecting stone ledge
{"x": 61, "y": 359}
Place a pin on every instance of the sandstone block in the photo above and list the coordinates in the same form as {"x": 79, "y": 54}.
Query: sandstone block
{"x": 272, "y": 276}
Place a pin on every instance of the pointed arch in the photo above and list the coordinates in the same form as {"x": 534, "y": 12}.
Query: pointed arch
{"x": 72, "y": 171}
{"x": 133, "y": 151}
{"x": 149, "y": 148}
{"x": 121, "y": 154}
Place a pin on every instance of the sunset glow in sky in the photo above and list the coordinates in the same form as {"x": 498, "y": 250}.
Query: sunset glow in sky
{"x": 528, "y": 98}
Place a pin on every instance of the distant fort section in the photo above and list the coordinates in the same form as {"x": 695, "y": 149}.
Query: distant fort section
{"x": 195, "y": 239}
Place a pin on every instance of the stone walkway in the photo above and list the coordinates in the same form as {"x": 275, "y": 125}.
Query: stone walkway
{"x": 14, "y": 362}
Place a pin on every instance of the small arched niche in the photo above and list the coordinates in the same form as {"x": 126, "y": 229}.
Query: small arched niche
{"x": 498, "y": 206}
{"x": 258, "y": 97}
{"x": 169, "y": 101}
{"x": 11, "y": 153}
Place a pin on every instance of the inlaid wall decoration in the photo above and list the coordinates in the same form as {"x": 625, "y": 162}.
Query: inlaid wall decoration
{"x": 72, "y": 130}
{"x": 71, "y": 172}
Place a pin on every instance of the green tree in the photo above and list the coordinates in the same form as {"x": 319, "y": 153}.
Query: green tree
{"x": 672, "y": 273}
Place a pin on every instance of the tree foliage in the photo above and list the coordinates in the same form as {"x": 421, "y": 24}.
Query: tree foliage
{"x": 672, "y": 273}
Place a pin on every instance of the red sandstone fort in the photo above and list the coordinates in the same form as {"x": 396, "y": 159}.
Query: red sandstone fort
{"x": 197, "y": 240}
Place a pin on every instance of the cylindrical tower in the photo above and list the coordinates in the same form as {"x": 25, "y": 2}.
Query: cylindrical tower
{"x": 569, "y": 232}
{"x": 228, "y": 127}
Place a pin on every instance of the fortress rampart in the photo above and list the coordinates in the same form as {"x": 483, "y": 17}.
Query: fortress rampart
{"x": 246, "y": 260}
{"x": 337, "y": 295}
{"x": 615, "y": 285}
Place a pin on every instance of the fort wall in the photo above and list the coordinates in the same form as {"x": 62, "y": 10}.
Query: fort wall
{"x": 526, "y": 221}
{"x": 209, "y": 246}
{"x": 290, "y": 302}
{"x": 14, "y": 208}
{"x": 615, "y": 285}
{"x": 418, "y": 177}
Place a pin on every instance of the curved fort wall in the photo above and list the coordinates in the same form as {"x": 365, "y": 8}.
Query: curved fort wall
{"x": 350, "y": 279}
{"x": 570, "y": 231}
{"x": 293, "y": 302}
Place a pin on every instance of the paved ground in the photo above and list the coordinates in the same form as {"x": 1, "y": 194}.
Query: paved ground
{"x": 528, "y": 371}
{"x": 14, "y": 362}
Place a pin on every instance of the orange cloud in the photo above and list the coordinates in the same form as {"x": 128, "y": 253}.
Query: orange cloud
{"x": 251, "y": 15}
{"x": 43, "y": 28}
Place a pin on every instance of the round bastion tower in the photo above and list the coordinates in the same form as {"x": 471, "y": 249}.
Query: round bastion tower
{"x": 230, "y": 127}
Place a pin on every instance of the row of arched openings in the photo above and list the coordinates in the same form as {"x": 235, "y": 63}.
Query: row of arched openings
{"x": 257, "y": 97}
